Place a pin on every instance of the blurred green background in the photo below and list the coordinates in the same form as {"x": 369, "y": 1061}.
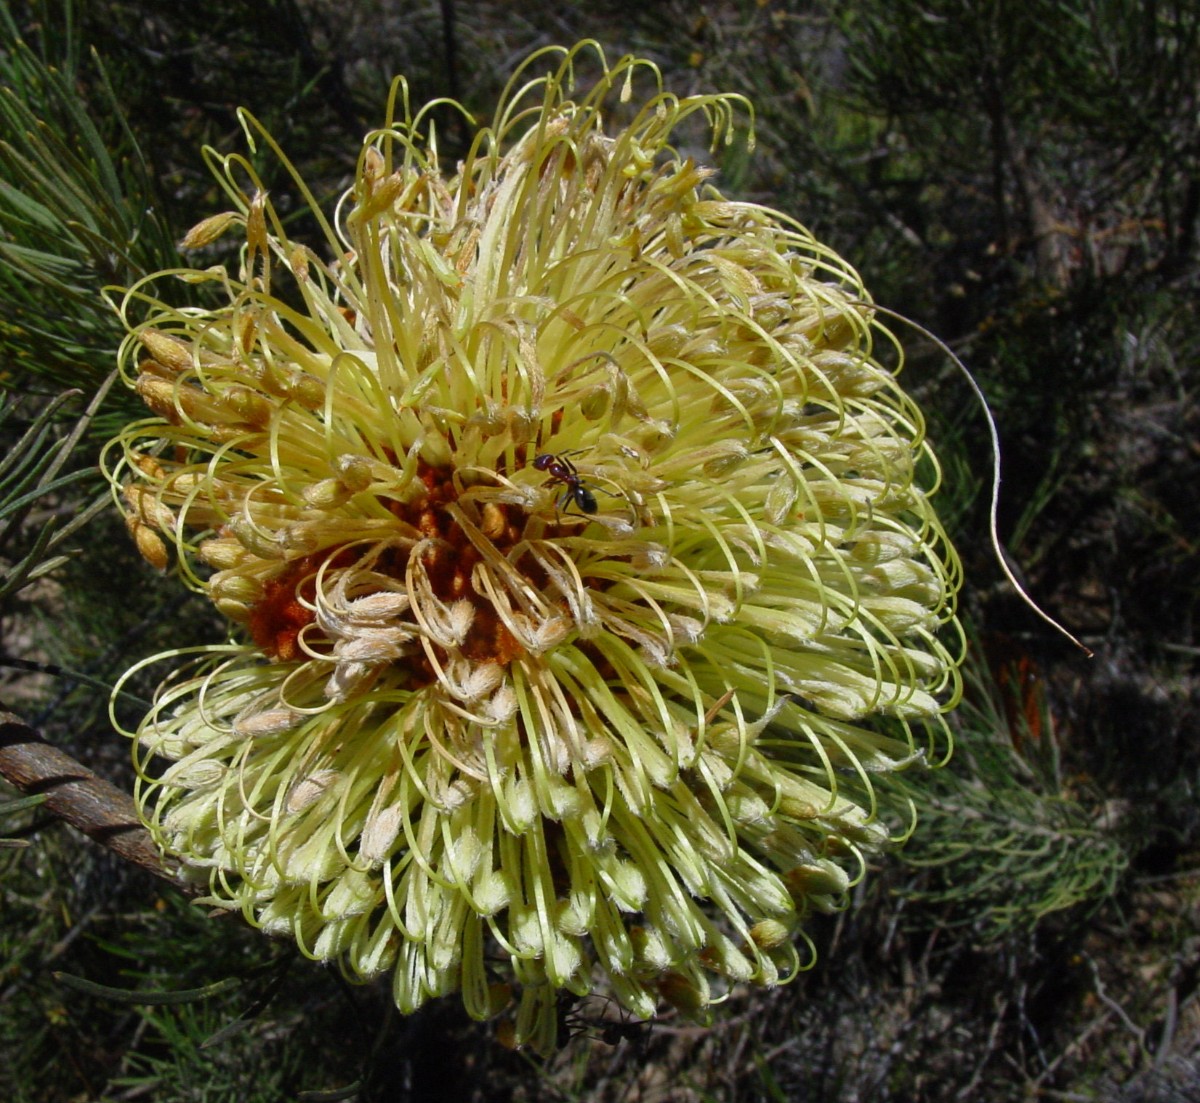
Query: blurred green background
{"x": 1021, "y": 178}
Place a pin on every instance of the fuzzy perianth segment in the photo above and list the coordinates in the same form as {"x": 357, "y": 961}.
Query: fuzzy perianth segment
{"x": 450, "y": 550}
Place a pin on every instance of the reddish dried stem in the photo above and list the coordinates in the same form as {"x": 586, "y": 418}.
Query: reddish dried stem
{"x": 75, "y": 794}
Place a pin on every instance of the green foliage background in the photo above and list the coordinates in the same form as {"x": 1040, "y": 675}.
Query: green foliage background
{"x": 1022, "y": 178}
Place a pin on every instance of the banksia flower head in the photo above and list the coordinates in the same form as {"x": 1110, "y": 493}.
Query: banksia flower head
{"x": 581, "y": 577}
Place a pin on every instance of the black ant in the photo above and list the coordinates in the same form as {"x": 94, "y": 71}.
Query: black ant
{"x": 562, "y": 470}
{"x": 574, "y": 1022}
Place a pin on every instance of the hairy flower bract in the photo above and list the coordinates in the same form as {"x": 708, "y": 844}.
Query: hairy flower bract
{"x": 569, "y": 522}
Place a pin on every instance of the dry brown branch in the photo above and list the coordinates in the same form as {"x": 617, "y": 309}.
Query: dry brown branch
{"x": 78, "y": 796}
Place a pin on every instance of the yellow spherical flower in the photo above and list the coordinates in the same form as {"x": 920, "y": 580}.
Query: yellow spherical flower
{"x": 582, "y": 576}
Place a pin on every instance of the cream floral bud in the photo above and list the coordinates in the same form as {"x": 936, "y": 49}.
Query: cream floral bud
{"x": 770, "y": 934}
{"x": 585, "y": 584}
{"x": 208, "y": 230}
{"x": 169, "y": 352}
{"x": 149, "y": 543}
